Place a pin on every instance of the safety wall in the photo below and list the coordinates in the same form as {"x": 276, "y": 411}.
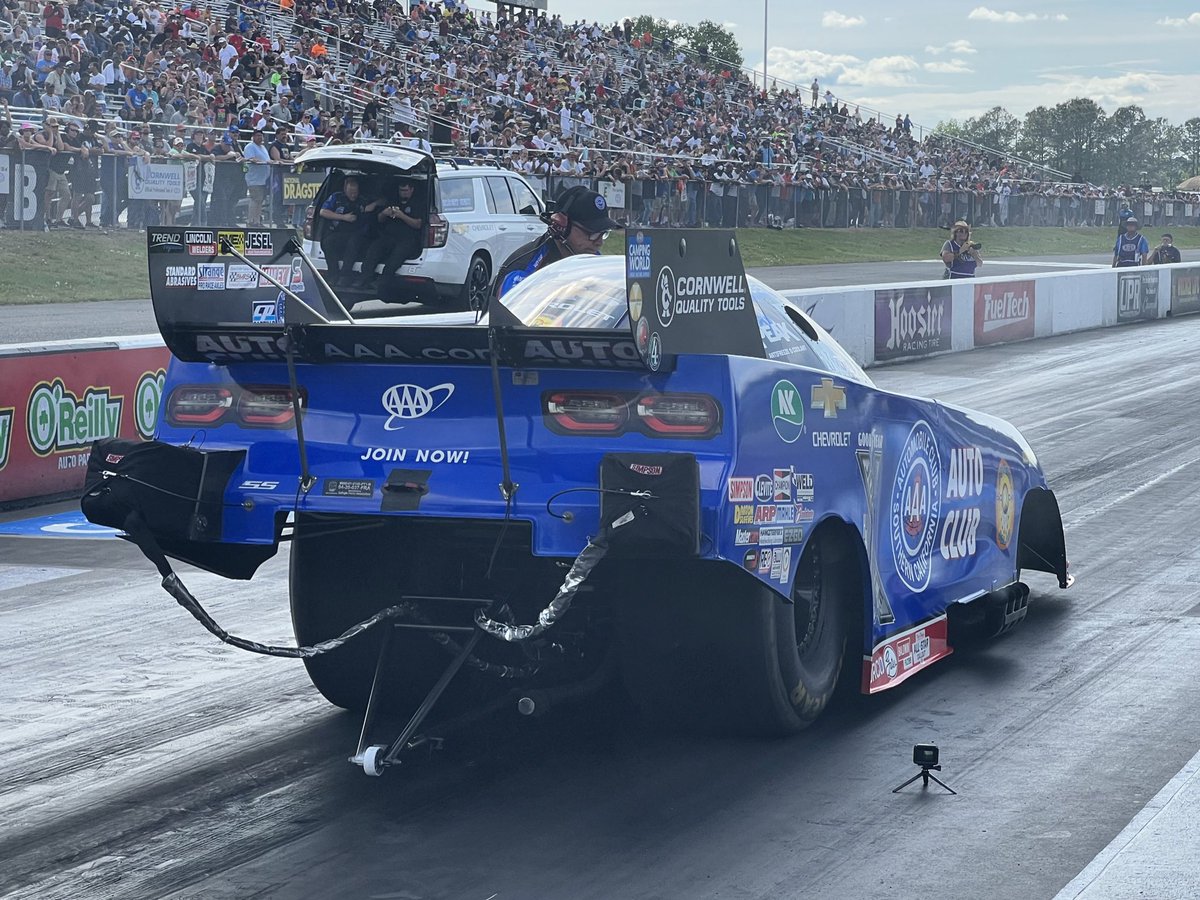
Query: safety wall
{"x": 884, "y": 323}
{"x": 58, "y": 397}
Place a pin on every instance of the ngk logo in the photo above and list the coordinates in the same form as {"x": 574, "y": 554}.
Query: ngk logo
{"x": 411, "y": 401}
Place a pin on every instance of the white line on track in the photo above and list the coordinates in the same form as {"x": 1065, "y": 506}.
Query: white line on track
{"x": 1022, "y": 262}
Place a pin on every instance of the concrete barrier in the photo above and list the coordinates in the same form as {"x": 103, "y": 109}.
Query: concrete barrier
{"x": 57, "y": 397}
{"x": 883, "y": 323}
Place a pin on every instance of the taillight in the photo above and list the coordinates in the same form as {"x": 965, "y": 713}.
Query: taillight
{"x": 267, "y": 407}
{"x": 611, "y": 413}
{"x": 679, "y": 415}
{"x": 584, "y": 412}
{"x": 198, "y": 405}
{"x": 255, "y": 406}
{"x": 437, "y": 232}
{"x": 308, "y": 223}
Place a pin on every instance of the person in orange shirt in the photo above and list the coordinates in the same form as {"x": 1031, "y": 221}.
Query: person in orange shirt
{"x": 318, "y": 49}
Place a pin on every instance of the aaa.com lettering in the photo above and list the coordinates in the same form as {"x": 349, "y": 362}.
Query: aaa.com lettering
{"x": 57, "y": 419}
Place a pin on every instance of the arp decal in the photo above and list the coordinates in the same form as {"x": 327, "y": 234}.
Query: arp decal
{"x": 1006, "y": 505}
{"x": 916, "y": 505}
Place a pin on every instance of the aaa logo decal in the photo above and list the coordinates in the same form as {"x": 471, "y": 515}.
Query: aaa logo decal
{"x": 1006, "y": 505}
{"x": 411, "y": 401}
{"x": 916, "y": 507}
{"x": 787, "y": 412}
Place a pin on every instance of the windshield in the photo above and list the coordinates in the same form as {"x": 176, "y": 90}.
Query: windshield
{"x": 589, "y": 292}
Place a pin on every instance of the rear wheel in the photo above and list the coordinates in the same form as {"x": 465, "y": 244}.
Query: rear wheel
{"x": 338, "y": 579}
{"x": 729, "y": 654}
{"x": 479, "y": 279}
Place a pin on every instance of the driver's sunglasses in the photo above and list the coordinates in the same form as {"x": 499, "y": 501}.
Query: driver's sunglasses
{"x": 592, "y": 235}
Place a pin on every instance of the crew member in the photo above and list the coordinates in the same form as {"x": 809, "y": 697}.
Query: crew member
{"x": 343, "y": 231}
{"x": 960, "y": 255}
{"x": 401, "y": 225}
{"x": 579, "y": 223}
{"x": 1131, "y": 248}
{"x": 1165, "y": 252}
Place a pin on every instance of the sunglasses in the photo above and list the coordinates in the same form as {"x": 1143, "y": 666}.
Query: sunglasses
{"x": 591, "y": 235}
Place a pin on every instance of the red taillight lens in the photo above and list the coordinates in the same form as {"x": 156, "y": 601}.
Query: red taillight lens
{"x": 308, "y": 224}
{"x": 198, "y": 405}
{"x": 266, "y": 406}
{"x": 679, "y": 415}
{"x": 584, "y": 412}
{"x": 438, "y": 231}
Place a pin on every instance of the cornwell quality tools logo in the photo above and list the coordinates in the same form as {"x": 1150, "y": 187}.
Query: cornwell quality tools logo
{"x": 411, "y": 401}
{"x": 57, "y": 420}
{"x": 916, "y": 507}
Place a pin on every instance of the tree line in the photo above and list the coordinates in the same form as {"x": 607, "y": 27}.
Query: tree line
{"x": 1079, "y": 139}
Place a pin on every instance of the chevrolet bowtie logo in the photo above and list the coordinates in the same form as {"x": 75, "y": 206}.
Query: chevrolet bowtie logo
{"x": 828, "y": 396}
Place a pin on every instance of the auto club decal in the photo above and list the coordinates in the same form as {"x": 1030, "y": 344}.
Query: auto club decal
{"x": 916, "y": 507}
{"x": 1006, "y": 507}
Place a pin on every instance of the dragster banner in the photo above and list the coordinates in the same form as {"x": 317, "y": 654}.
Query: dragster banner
{"x": 687, "y": 293}
{"x": 53, "y": 405}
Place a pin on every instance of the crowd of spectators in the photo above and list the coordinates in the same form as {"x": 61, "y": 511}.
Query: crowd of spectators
{"x": 107, "y": 85}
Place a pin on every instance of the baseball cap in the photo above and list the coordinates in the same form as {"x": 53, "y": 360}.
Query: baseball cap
{"x": 588, "y": 210}
{"x": 1132, "y": 221}
{"x": 1169, "y": 237}
{"x": 178, "y": 141}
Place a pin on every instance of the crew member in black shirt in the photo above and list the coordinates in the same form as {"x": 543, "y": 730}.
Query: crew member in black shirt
{"x": 400, "y": 228}
{"x": 344, "y": 229}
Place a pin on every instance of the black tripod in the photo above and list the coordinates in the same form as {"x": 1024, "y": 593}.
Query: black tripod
{"x": 926, "y": 775}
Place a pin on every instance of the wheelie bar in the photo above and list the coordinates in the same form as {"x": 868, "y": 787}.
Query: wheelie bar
{"x": 374, "y": 758}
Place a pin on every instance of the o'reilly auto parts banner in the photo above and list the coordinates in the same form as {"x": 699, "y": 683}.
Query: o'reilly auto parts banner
{"x": 1137, "y": 296}
{"x": 1004, "y": 312}
{"x": 912, "y": 322}
{"x": 1185, "y": 291}
{"x": 54, "y": 405}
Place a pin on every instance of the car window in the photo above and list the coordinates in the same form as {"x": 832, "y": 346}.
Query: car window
{"x": 575, "y": 293}
{"x": 523, "y": 197}
{"x": 500, "y": 201}
{"x": 457, "y": 194}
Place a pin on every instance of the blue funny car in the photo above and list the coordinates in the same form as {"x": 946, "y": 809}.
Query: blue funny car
{"x": 654, "y": 468}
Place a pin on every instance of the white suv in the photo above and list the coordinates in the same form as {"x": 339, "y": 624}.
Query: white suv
{"x": 478, "y": 215}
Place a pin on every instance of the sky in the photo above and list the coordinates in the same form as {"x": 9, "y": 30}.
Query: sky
{"x": 937, "y": 60}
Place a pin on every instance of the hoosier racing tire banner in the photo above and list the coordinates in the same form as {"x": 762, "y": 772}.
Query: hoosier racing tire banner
{"x": 54, "y": 404}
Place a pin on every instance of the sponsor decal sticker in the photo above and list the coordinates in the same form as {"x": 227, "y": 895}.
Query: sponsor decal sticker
{"x": 745, "y": 536}
{"x": 256, "y": 484}
{"x": 750, "y": 559}
{"x": 743, "y": 515}
{"x": 785, "y": 515}
{"x": 240, "y": 277}
{"x": 269, "y": 312}
{"x": 210, "y": 276}
{"x": 290, "y": 276}
{"x": 764, "y": 514}
{"x": 235, "y": 239}
{"x": 258, "y": 243}
{"x": 901, "y": 655}
{"x": 783, "y": 486}
{"x": 960, "y": 525}
{"x": 181, "y": 276}
{"x": 829, "y": 397}
{"x": 839, "y": 439}
{"x": 664, "y": 296}
{"x": 638, "y": 262}
{"x": 765, "y": 558}
{"x": 793, "y": 535}
{"x": 916, "y": 507}
{"x": 770, "y": 537}
{"x": 764, "y": 488}
{"x": 200, "y": 243}
{"x": 803, "y": 483}
{"x": 1006, "y": 505}
{"x": 787, "y": 412}
{"x": 166, "y": 242}
{"x": 403, "y": 402}
{"x": 362, "y": 488}
{"x": 741, "y": 489}
{"x": 643, "y": 469}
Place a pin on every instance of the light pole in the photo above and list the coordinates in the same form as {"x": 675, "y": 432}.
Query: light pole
{"x": 766, "y": 3}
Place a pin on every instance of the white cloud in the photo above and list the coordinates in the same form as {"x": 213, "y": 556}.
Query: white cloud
{"x": 1193, "y": 19}
{"x": 956, "y": 48}
{"x": 835, "y": 19}
{"x": 1008, "y": 17}
{"x": 949, "y": 67}
{"x": 801, "y": 66}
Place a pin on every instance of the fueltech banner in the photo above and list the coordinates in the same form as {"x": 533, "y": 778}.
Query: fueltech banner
{"x": 54, "y": 404}
{"x": 1004, "y": 312}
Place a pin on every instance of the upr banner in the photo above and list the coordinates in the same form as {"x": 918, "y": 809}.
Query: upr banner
{"x": 1185, "y": 291}
{"x": 1004, "y": 312}
{"x": 53, "y": 405}
{"x": 912, "y": 322}
{"x": 1137, "y": 296}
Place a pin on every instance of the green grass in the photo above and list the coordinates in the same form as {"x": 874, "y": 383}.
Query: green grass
{"x": 66, "y": 265}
